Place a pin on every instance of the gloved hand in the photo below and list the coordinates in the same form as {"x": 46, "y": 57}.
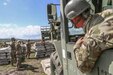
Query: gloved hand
{"x": 78, "y": 43}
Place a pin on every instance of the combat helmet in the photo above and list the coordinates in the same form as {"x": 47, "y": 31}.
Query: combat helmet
{"x": 13, "y": 39}
{"x": 75, "y": 8}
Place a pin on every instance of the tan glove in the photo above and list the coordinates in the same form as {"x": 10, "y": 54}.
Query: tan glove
{"x": 78, "y": 43}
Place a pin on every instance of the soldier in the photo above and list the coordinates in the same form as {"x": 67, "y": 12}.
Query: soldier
{"x": 18, "y": 54}
{"x": 13, "y": 51}
{"x": 4, "y": 44}
{"x": 28, "y": 49}
{"x": 98, "y": 29}
{"x": 43, "y": 42}
{"x": 23, "y": 45}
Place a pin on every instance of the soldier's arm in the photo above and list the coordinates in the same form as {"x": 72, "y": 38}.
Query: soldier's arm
{"x": 106, "y": 13}
{"x": 86, "y": 53}
{"x": 98, "y": 39}
{"x": 17, "y": 49}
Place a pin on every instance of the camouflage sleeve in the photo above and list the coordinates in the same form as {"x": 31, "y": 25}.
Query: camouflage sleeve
{"x": 98, "y": 39}
{"x": 106, "y": 13}
{"x": 86, "y": 54}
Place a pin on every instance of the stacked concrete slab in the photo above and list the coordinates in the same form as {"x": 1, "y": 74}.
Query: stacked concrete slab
{"x": 5, "y": 55}
{"x": 43, "y": 50}
{"x": 40, "y": 50}
{"x": 49, "y": 48}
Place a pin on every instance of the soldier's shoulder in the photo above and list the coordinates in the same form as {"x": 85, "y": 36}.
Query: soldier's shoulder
{"x": 106, "y": 13}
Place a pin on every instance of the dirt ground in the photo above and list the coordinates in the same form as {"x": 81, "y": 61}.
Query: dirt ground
{"x": 31, "y": 66}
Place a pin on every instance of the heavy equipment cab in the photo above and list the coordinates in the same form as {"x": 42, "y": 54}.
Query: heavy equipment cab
{"x": 62, "y": 60}
{"x": 45, "y": 32}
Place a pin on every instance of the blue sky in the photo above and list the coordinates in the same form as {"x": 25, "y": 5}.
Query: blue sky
{"x": 23, "y": 17}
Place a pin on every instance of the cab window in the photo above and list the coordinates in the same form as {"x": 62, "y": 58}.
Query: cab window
{"x": 106, "y": 4}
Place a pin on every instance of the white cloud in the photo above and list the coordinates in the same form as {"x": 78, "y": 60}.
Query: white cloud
{"x": 5, "y": 3}
{"x": 26, "y": 32}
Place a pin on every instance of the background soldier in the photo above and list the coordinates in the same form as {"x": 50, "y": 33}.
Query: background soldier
{"x": 13, "y": 51}
{"x": 18, "y": 54}
{"x": 98, "y": 29}
{"x": 43, "y": 42}
{"x": 4, "y": 44}
{"x": 28, "y": 49}
{"x": 23, "y": 46}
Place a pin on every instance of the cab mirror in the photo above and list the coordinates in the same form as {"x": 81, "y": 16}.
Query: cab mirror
{"x": 51, "y": 12}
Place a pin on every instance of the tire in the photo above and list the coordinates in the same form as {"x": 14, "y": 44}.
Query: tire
{"x": 56, "y": 67}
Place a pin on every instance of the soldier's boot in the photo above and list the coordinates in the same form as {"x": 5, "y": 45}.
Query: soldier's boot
{"x": 28, "y": 55}
{"x": 23, "y": 59}
{"x": 18, "y": 63}
{"x": 12, "y": 62}
{"x": 15, "y": 60}
{"x": 18, "y": 67}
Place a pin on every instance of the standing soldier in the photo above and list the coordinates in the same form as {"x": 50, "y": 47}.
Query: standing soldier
{"x": 4, "y": 44}
{"x": 13, "y": 51}
{"x": 42, "y": 41}
{"x": 23, "y": 45}
{"x": 28, "y": 49}
{"x": 18, "y": 54}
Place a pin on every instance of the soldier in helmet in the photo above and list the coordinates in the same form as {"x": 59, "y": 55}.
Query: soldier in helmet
{"x": 98, "y": 29}
{"x": 28, "y": 49}
{"x": 18, "y": 54}
{"x": 23, "y": 46}
{"x": 13, "y": 51}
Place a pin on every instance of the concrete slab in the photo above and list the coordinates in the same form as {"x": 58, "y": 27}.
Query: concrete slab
{"x": 46, "y": 66}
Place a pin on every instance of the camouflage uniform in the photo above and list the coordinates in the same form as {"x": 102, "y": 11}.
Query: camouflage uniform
{"x": 28, "y": 49}
{"x": 18, "y": 54}
{"x": 4, "y": 44}
{"x": 13, "y": 52}
{"x": 99, "y": 37}
{"x": 23, "y": 45}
